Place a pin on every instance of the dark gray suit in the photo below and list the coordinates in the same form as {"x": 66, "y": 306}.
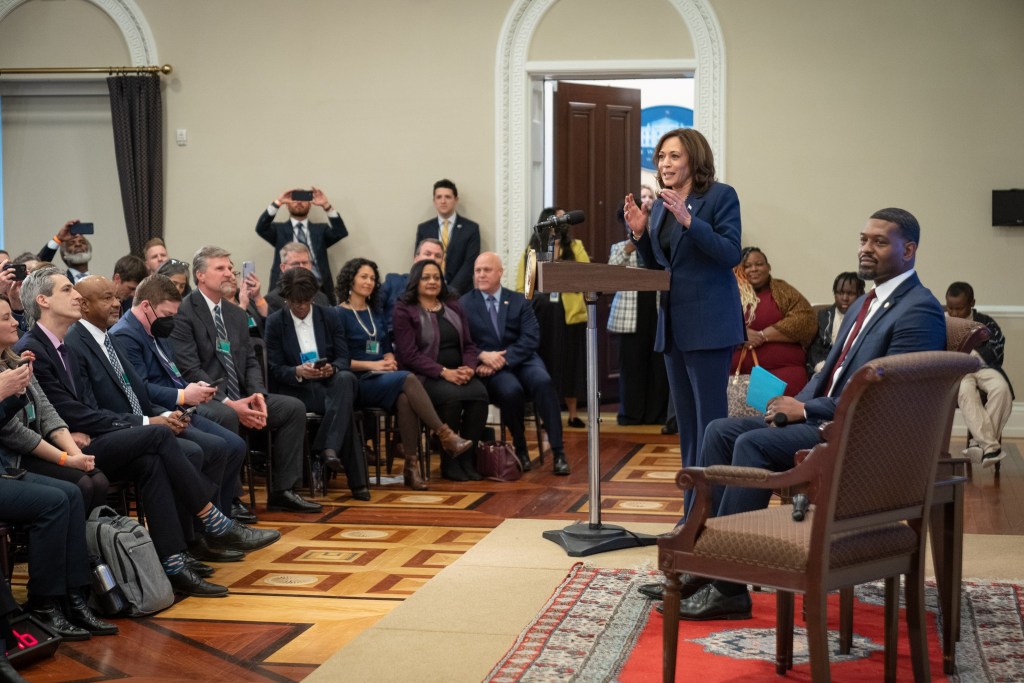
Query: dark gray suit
{"x": 195, "y": 353}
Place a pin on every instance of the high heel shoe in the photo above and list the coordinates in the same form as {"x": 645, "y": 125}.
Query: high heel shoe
{"x": 411, "y": 472}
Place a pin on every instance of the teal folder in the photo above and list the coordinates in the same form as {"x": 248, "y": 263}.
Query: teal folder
{"x": 764, "y": 386}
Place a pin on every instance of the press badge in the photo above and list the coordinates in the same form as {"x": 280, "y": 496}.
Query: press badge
{"x": 308, "y": 357}
{"x": 223, "y": 346}
{"x": 30, "y": 413}
{"x": 252, "y": 322}
{"x": 553, "y": 297}
{"x": 175, "y": 370}
{"x": 373, "y": 347}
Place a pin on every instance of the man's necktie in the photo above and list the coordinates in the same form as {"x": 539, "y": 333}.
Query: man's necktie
{"x": 492, "y": 309}
{"x": 63, "y": 351}
{"x": 444, "y": 242}
{"x": 231, "y": 386}
{"x": 852, "y": 337}
{"x": 115, "y": 362}
{"x": 302, "y": 238}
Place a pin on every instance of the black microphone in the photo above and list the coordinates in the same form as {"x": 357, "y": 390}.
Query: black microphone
{"x": 780, "y": 419}
{"x": 571, "y": 218}
{"x": 800, "y": 505}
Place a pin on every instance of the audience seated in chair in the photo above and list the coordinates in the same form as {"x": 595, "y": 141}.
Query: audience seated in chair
{"x": 780, "y": 322}
{"x": 308, "y": 358}
{"x": 985, "y": 417}
{"x": 845, "y": 290}
{"x": 900, "y": 315}
{"x": 124, "y": 448}
{"x": 381, "y": 383}
{"x": 505, "y": 329}
{"x": 432, "y": 340}
{"x": 211, "y": 342}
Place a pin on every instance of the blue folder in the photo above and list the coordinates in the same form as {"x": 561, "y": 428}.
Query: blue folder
{"x": 764, "y": 386}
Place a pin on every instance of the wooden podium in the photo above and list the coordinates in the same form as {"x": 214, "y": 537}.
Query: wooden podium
{"x": 594, "y": 279}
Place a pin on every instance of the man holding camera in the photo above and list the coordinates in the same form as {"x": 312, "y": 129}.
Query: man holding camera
{"x": 298, "y": 228}
{"x": 75, "y": 249}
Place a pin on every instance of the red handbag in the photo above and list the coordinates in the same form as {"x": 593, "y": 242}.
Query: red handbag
{"x": 497, "y": 461}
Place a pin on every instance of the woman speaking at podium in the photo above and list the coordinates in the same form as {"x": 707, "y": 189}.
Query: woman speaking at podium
{"x": 693, "y": 231}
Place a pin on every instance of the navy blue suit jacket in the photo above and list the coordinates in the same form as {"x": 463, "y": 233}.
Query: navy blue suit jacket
{"x": 75, "y": 403}
{"x": 102, "y": 379}
{"x": 138, "y": 349}
{"x": 283, "y": 353}
{"x": 321, "y": 236}
{"x": 703, "y": 302}
{"x": 520, "y": 332}
{"x": 463, "y": 248}
{"x": 910, "y": 320}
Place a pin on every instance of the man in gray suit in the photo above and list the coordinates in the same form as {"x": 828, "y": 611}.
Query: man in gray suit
{"x": 212, "y": 344}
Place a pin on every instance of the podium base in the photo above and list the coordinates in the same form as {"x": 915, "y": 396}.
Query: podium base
{"x": 583, "y": 539}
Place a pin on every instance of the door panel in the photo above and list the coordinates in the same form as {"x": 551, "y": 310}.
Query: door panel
{"x": 597, "y": 161}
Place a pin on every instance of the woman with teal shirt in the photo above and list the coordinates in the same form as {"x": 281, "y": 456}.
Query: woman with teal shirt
{"x": 381, "y": 383}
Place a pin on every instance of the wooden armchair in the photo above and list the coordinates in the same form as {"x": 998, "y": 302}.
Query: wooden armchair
{"x": 870, "y": 487}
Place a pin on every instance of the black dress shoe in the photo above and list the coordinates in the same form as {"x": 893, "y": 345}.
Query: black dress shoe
{"x": 203, "y": 570}
{"x": 243, "y": 538}
{"x": 466, "y": 463}
{"x": 452, "y": 470}
{"x": 49, "y": 612}
{"x": 576, "y": 423}
{"x": 524, "y": 460}
{"x": 81, "y": 616}
{"x": 688, "y": 585}
{"x": 561, "y": 465}
{"x": 709, "y": 604}
{"x": 289, "y": 501}
{"x": 241, "y": 513}
{"x": 671, "y": 427}
{"x": 362, "y": 494}
{"x": 187, "y": 582}
{"x": 330, "y": 460}
{"x": 202, "y": 551}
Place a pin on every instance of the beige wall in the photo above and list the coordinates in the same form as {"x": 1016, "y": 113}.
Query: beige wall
{"x": 833, "y": 109}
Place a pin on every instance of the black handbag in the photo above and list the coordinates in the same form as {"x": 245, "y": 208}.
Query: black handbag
{"x": 497, "y": 461}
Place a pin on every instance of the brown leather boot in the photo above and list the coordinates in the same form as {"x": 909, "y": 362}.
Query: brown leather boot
{"x": 452, "y": 442}
{"x": 411, "y": 473}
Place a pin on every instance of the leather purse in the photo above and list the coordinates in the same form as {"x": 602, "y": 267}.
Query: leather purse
{"x": 737, "y": 389}
{"x": 497, "y": 461}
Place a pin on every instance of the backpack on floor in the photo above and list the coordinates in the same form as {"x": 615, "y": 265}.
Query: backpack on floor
{"x": 125, "y": 546}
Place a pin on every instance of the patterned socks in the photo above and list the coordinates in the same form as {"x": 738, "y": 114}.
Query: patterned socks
{"x": 214, "y": 521}
{"x": 173, "y": 564}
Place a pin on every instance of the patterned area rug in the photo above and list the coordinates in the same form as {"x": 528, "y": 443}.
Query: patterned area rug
{"x": 596, "y": 627}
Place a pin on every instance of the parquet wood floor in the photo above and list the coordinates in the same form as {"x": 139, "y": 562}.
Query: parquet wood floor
{"x": 331, "y": 576}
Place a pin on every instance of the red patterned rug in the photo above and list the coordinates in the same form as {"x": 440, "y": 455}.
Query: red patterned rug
{"x": 596, "y": 627}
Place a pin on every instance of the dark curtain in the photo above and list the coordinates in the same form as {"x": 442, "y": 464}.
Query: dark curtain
{"x": 136, "y": 110}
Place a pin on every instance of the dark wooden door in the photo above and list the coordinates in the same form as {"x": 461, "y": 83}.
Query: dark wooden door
{"x": 597, "y": 161}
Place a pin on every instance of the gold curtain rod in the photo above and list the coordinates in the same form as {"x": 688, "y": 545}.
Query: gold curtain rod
{"x": 111, "y": 70}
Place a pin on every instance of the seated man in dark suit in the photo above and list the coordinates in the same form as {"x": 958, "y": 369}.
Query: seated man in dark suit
{"x": 505, "y": 329}
{"x": 308, "y": 357}
{"x": 394, "y": 283}
{"x": 142, "y": 335}
{"x": 898, "y": 316}
{"x": 298, "y": 228}
{"x": 211, "y": 342}
{"x": 119, "y": 389}
{"x": 295, "y": 255}
{"x": 459, "y": 237}
{"x": 149, "y": 455}
{"x": 845, "y": 290}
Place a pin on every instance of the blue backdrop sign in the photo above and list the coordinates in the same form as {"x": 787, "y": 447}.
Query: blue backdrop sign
{"x": 655, "y": 122}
